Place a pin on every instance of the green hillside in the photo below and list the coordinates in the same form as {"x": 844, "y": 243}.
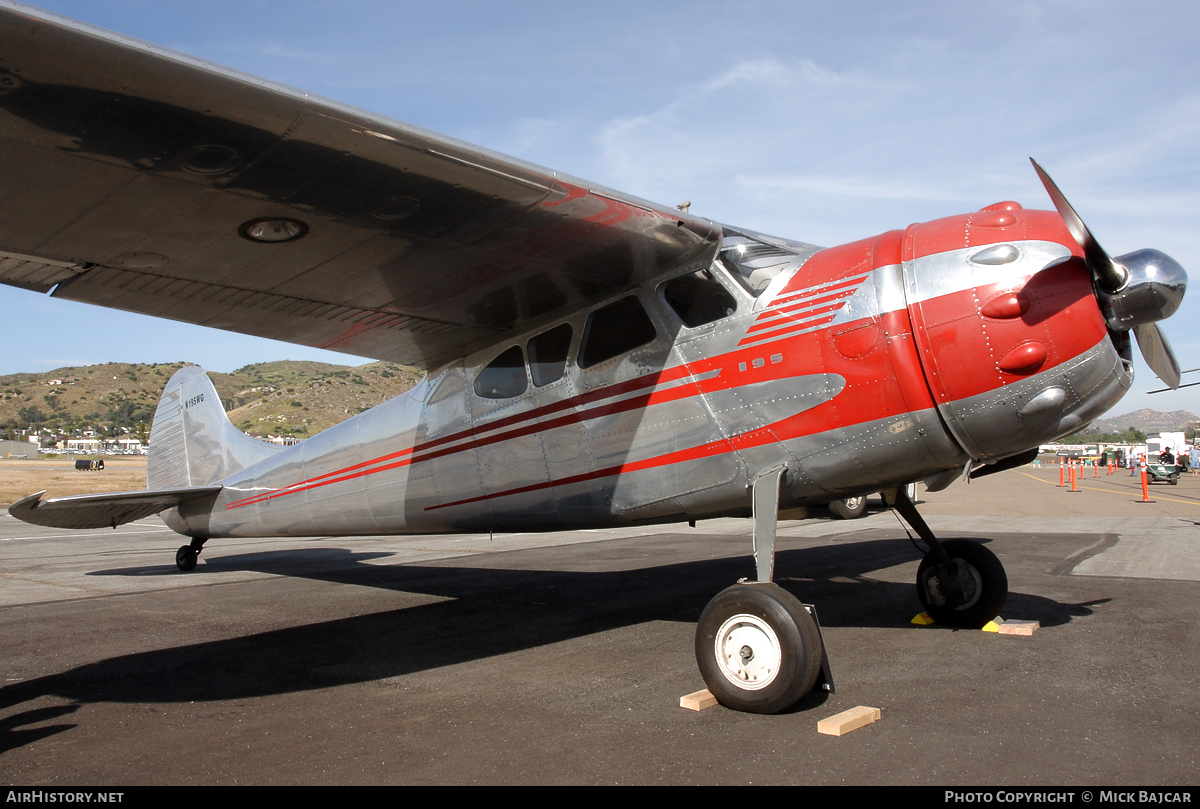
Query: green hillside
{"x": 272, "y": 398}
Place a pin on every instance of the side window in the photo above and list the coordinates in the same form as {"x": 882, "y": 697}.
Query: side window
{"x": 504, "y": 377}
{"x": 548, "y": 354}
{"x": 615, "y": 329}
{"x": 698, "y": 298}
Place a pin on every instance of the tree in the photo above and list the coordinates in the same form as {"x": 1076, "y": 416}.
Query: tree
{"x": 31, "y": 415}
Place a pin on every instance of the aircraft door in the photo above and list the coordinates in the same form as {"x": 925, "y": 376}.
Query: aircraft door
{"x": 513, "y": 473}
{"x": 708, "y": 310}
{"x": 445, "y": 470}
{"x": 649, "y": 431}
{"x": 717, "y": 416}
{"x": 564, "y": 439}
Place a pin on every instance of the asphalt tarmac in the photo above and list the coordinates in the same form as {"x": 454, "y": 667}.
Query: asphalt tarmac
{"x": 561, "y": 658}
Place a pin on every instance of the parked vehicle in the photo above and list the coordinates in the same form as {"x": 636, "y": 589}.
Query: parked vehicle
{"x": 852, "y": 508}
{"x": 1162, "y": 473}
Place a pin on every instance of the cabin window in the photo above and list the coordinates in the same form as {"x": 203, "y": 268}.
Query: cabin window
{"x": 504, "y": 377}
{"x": 548, "y": 354}
{"x": 698, "y": 298}
{"x": 614, "y": 329}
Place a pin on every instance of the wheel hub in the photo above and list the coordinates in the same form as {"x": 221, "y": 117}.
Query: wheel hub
{"x": 748, "y": 652}
{"x": 956, "y": 585}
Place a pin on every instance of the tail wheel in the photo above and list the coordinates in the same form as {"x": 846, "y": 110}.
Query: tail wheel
{"x": 849, "y": 509}
{"x": 758, "y": 648}
{"x": 185, "y": 558}
{"x": 968, "y": 591}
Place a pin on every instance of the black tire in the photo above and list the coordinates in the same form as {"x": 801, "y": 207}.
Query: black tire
{"x": 758, "y": 649}
{"x": 1174, "y": 480}
{"x": 185, "y": 558}
{"x": 971, "y": 594}
{"x": 849, "y": 509}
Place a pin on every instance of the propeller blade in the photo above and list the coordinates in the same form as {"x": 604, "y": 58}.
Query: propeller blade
{"x": 1158, "y": 354}
{"x": 1108, "y": 274}
{"x": 1145, "y": 287}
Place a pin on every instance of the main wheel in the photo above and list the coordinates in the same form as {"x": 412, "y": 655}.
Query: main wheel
{"x": 969, "y": 591}
{"x": 758, "y": 648}
{"x": 849, "y": 509}
{"x": 185, "y": 558}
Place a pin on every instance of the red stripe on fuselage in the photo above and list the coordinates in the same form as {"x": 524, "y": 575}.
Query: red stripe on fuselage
{"x": 785, "y": 303}
{"x": 807, "y": 324}
{"x": 666, "y": 376}
{"x": 810, "y": 310}
{"x": 536, "y": 421}
{"x": 872, "y": 392}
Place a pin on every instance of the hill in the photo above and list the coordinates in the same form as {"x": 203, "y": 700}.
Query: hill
{"x": 1147, "y": 420}
{"x": 300, "y": 398}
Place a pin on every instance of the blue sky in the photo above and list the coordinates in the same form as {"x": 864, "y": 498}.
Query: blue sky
{"x": 817, "y": 121}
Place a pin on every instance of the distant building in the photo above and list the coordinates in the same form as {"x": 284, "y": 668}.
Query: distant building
{"x": 96, "y": 446}
{"x": 18, "y": 449}
{"x": 83, "y": 446}
{"x": 124, "y": 446}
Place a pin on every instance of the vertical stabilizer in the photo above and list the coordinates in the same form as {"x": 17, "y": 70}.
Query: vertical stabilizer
{"x": 192, "y": 442}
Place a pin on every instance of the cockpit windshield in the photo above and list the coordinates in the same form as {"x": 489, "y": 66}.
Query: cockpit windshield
{"x": 754, "y": 262}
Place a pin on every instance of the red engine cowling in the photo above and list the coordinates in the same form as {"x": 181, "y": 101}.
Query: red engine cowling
{"x": 1010, "y": 336}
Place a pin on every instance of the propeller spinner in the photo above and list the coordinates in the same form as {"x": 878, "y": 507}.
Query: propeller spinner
{"x": 1135, "y": 290}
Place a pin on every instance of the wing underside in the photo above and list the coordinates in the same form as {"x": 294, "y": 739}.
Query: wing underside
{"x": 130, "y": 176}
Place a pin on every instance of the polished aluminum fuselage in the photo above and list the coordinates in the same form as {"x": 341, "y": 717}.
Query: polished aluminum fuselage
{"x": 142, "y": 177}
{"x": 860, "y": 368}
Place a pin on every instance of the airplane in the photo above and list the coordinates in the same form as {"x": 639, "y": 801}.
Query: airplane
{"x": 592, "y": 359}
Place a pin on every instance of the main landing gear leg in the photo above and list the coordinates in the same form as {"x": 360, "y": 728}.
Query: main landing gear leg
{"x": 186, "y": 556}
{"x": 959, "y": 582}
{"x": 758, "y": 648}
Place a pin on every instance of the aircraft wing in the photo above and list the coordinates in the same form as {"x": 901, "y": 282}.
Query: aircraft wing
{"x": 106, "y": 510}
{"x": 142, "y": 179}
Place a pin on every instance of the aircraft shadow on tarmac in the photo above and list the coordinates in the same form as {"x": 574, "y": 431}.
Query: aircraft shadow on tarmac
{"x": 488, "y": 612}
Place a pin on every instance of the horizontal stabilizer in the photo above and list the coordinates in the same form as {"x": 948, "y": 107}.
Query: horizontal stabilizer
{"x": 104, "y": 510}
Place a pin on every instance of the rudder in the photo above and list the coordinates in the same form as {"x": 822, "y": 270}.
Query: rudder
{"x": 192, "y": 441}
